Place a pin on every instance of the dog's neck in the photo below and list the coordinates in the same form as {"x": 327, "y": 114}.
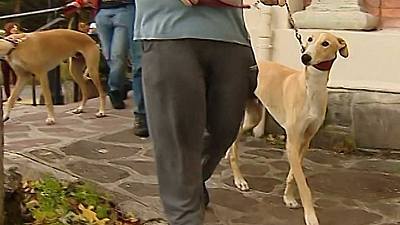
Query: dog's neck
{"x": 316, "y": 89}
{"x": 10, "y": 46}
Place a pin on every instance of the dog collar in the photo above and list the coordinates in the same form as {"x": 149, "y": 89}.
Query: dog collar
{"x": 325, "y": 66}
{"x": 13, "y": 42}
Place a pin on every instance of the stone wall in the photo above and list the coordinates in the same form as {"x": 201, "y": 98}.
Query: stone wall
{"x": 388, "y": 10}
{"x": 357, "y": 120}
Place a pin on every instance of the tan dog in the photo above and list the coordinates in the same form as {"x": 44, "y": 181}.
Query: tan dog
{"x": 297, "y": 100}
{"x": 39, "y": 52}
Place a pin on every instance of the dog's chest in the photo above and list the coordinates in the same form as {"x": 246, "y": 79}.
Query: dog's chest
{"x": 316, "y": 105}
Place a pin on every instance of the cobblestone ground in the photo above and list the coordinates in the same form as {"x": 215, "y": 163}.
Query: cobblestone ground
{"x": 348, "y": 189}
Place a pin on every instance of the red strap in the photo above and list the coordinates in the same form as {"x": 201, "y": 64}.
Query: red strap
{"x": 325, "y": 66}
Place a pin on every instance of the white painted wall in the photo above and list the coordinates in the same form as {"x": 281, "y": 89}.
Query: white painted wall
{"x": 373, "y": 63}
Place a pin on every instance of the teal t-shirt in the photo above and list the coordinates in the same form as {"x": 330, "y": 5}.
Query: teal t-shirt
{"x": 171, "y": 19}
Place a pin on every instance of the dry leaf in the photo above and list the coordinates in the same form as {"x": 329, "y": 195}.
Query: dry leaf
{"x": 88, "y": 214}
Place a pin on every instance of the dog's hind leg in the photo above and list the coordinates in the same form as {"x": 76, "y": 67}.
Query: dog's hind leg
{"x": 251, "y": 119}
{"x": 76, "y": 68}
{"x": 92, "y": 58}
{"x": 44, "y": 84}
{"x": 294, "y": 150}
{"x": 238, "y": 178}
{"x": 259, "y": 130}
{"x": 22, "y": 77}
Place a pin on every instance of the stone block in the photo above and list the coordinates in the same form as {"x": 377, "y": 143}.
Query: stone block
{"x": 376, "y": 125}
{"x": 337, "y": 138}
{"x": 339, "y": 109}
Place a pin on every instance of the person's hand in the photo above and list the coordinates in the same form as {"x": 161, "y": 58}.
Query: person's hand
{"x": 274, "y": 2}
{"x": 190, "y": 2}
{"x": 73, "y": 4}
{"x": 17, "y": 37}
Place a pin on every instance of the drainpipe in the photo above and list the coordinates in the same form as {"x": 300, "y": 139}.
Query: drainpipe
{"x": 272, "y": 18}
{"x": 263, "y": 48}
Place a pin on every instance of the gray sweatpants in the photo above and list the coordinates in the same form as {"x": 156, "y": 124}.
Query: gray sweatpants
{"x": 193, "y": 87}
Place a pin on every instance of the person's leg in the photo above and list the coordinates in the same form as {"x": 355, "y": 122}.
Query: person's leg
{"x": 105, "y": 31}
{"x": 120, "y": 44}
{"x": 6, "y": 71}
{"x": 230, "y": 83}
{"x": 140, "y": 126}
{"x": 174, "y": 90}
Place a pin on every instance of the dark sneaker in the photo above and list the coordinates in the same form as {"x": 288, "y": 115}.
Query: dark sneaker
{"x": 125, "y": 89}
{"x": 116, "y": 99}
{"x": 206, "y": 196}
{"x": 140, "y": 126}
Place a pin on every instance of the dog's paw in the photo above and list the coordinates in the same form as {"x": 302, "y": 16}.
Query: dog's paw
{"x": 291, "y": 203}
{"x": 311, "y": 219}
{"x": 100, "y": 114}
{"x": 77, "y": 111}
{"x": 5, "y": 118}
{"x": 50, "y": 121}
{"x": 242, "y": 184}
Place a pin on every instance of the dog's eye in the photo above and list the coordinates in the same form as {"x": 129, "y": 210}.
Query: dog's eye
{"x": 325, "y": 44}
{"x": 310, "y": 39}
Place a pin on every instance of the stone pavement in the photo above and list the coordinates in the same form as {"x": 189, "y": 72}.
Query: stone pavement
{"x": 348, "y": 189}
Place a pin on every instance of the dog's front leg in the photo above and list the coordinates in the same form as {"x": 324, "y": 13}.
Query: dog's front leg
{"x": 294, "y": 149}
{"x": 44, "y": 83}
{"x": 290, "y": 190}
{"x": 22, "y": 77}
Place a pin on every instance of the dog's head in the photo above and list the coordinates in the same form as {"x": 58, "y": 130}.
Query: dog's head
{"x": 323, "y": 48}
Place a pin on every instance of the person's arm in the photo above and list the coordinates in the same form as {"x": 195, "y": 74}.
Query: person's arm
{"x": 229, "y": 3}
{"x": 83, "y": 3}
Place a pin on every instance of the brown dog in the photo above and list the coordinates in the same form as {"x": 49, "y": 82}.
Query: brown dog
{"x": 39, "y": 52}
{"x": 297, "y": 100}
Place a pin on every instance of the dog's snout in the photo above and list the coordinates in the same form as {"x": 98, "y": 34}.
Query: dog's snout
{"x": 306, "y": 59}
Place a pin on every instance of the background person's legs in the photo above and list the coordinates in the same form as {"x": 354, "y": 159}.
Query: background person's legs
{"x": 114, "y": 27}
{"x": 140, "y": 127}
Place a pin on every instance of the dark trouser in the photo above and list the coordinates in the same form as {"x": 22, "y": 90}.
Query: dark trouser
{"x": 8, "y": 74}
{"x": 192, "y": 86}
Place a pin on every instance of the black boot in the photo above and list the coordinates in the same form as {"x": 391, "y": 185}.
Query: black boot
{"x": 116, "y": 99}
{"x": 140, "y": 126}
{"x": 206, "y": 196}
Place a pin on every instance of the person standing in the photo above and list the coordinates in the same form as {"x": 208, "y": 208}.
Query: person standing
{"x": 114, "y": 26}
{"x": 197, "y": 75}
{"x": 9, "y": 76}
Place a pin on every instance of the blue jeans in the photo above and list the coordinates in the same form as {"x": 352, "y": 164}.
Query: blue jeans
{"x": 137, "y": 87}
{"x": 115, "y": 30}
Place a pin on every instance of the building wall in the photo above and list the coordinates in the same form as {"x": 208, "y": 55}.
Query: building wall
{"x": 388, "y": 10}
{"x": 364, "y": 96}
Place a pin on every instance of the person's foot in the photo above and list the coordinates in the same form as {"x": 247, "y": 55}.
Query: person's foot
{"x": 116, "y": 99}
{"x": 125, "y": 89}
{"x": 140, "y": 126}
{"x": 206, "y": 196}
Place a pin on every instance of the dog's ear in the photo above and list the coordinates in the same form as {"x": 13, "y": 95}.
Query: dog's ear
{"x": 343, "y": 49}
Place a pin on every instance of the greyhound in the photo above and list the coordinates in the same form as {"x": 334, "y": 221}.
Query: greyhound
{"x": 297, "y": 100}
{"x": 39, "y": 52}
